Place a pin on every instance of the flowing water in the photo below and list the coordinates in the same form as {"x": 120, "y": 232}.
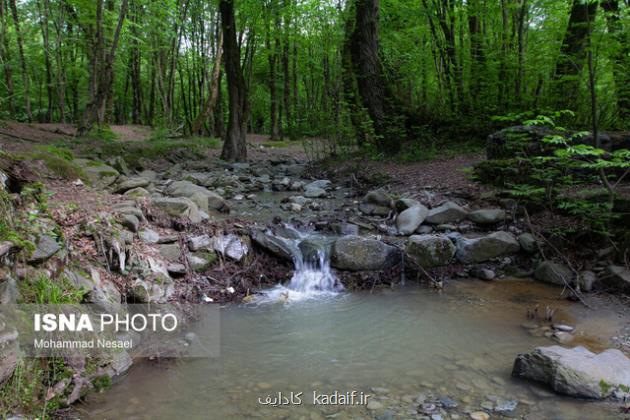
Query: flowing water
{"x": 401, "y": 346}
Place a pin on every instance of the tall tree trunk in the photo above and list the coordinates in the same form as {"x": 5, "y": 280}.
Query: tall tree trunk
{"x": 25, "y": 78}
{"x": 135, "y": 64}
{"x": 368, "y": 71}
{"x": 272, "y": 51}
{"x": 573, "y": 54}
{"x": 286, "y": 92}
{"x": 44, "y": 13}
{"x": 476, "y": 48}
{"x": 620, "y": 57}
{"x": 5, "y": 59}
{"x": 522, "y": 28}
{"x": 207, "y": 111}
{"x": 235, "y": 145}
{"x": 219, "y": 129}
{"x": 59, "y": 22}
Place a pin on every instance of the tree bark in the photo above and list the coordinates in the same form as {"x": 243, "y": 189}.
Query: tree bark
{"x": 44, "y": 13}
{"x": 286, "y": 90}
{"x": 272, "y": 60}
{"x": 235, "y": 144}
{"x": 207, "y": 111}
{"x": 573, "y": 54}
{"x": 25, "y": 78}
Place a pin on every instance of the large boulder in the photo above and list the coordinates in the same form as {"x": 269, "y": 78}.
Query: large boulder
{"x": 576, "y": 372}
{"x": 178, "y": 207}
{"x": 276, "y": 245}
{"x": 616, "y": 278}
{"x": 487, "y": 216}
{"x": 127, "y": 184}
{"x": 45, "y": 248}
{"x": 97, "y": 173}
{"x": 430, "y": 250}
{"x": 355, "y": 253}
{"x": 204, "y": 198}
{"x": 448, "y": 212}
{"x": 377, "y": 203}
{"x": 553, "y": 273}
{"x": 408, "y": 220}
{"x": 484, "y": 248}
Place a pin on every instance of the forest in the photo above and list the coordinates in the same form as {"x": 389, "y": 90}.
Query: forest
{"x": 380, "y": 75}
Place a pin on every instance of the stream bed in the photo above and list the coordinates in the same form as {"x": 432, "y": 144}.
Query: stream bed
{"x": 406, "y": 347}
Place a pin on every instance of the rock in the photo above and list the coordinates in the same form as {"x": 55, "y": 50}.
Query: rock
{"x": 170, "y": 252}
{"x": 149, "y": 236}
{"x": 324, "y": 184}
{"x": 137, "y": 193}
{"x": 195, "y": 243}
{"x": 355, "y": 253}
{"x": 276, "y": 245}
{"x": 446, "y": 213}
{"x": 9, "y": 292}
{"x": 204, "y": 198}
{"x": 553, "y": 273}
{"x": 424, "y": 229}
{"x": 430, "y": 250}
{"x": 528, "y": 243}
{"x": 374, "y": 405}
{"x": 118, "y": 163}
{"x": 483, "y": 273}
{"x": 8, "y": 350}
{"x": 131, "y": 210}
{"x": 97, "y": 173}
{"x": 403, "y": 204}
{"x": 503, "y": 405}
{"x": 131, "y": 183}
{"x": 409, "y": 220}
{"x": 479, "y": 415}
{"x": 231, "y": 246}
{"x": 178, "y": 207}
{"x": 177, "y": 269}
{"x": 376, "y": 203}
{"x": 487, "y": 216}
{"x": 586, "y": 279}
{"x": 201, "y": 261}
{"x": 314, "y": 192}
{"x": 155, "y": 285}
{"x": 45, "y": 248}
{"x": 484, "y": 248}
{"x": 99, "y": 291}
{"x": 298, "y": 199}
{"x": 130, "y": 221}
{"x": 576, "y": 372}
{"x": 616, "y": 278}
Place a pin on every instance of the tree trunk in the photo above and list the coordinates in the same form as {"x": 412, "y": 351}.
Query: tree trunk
{"x": 476, "y": 48}
{"x": 207, "y": 111}
{"x": 5, "y": 59}
{"x": 44, "y": 13}
{"x": 135, "y": 63}
{"x": 573, "y": 54}
{"x": 522, "y": 28}
{"x": 272, "y": 60}
{"x": 25, "y": 79}
{"x": 235, "y": 145}
{"x": 286, "y": 90}
{"x": 370, "y": 80}
{"x": 620, "y": 57}
{"x": 219, "y": 129}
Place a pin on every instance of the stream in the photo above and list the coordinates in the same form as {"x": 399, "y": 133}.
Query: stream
{"x": 407, "y": 347}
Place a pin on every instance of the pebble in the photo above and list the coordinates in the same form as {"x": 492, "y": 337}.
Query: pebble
{"x": 479, "y": 415}
{"x": 563, "y": 327}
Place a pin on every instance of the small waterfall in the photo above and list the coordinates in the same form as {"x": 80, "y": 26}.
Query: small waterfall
{"x": 313, "y": 277}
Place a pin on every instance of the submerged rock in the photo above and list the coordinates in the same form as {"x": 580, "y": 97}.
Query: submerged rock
{"x": 409, "y": 220}
{"x": 355, "y": 253}
{"x": 576, "y": 372}
{"x": 446, "y": 213}
{"x": 430, "y": 250}
{"x": 484, "y": 248}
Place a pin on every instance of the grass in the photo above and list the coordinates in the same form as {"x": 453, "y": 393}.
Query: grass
{"x": 277, "y": 144}
{"x": 43, "y": 290}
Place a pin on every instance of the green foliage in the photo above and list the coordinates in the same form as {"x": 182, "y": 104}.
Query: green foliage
{"x": 44, "y": 290}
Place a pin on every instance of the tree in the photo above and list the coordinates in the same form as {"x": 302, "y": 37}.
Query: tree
{"x": 25, "y": 78}
{"x": 235, "y": 144}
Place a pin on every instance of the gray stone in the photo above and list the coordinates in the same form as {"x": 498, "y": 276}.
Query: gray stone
{"x": 378, "y": 198}
{"x": 298, "y": 199}
{"x": 528, "y": 243}
{"x": 430, "y": 250}
{"x": 355, "y": 253}
{"x": 484, "y": 248}
{"x": 577, "y": 371}
{"x": 409, "y": 220}
{"x": 170, "y": 252}
{"x": 134, "y": 211}
{"x": 8, "y": 350}
{"x": 586, "y": 280}
{"x": 178, "y": 207}
{"x": 276, "y": 245}
{"x": 483, "y": 273}
{"x": 201, "y": 261}
{"x": 324, "y": 184}
{"x": 99, "y": 291}
{"x": 553, "y": 273}
{"x": 487, "y": 216}
{"x": 176, "y": 268}
{"x": 231, "y": 246}
{"x": 424, "y": 229}
{"x": 137, "y": 193}
{"x": 314, "y": 192}
{"x": 195, "y": 243}
{"x": 131, "y": 183}
{"x": 97, "y": 173}
{"x": 617, "y": 278}
{"x": 9, "y": 292}
{"x": 45, "y": 248}
{"x": 374, "y": 210}
{"x": 130, "y": 221}
{"x": 205, "y": 199}
{"x": 403, "y": 204}
{"x": 446, "y": 213}
{"x": 149, "y": 236}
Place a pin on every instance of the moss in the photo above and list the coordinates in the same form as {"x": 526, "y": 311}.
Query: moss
{"x": 102, "y": 383}
{"x": 56, "y": 163}
{"x": 605, "y": 387}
